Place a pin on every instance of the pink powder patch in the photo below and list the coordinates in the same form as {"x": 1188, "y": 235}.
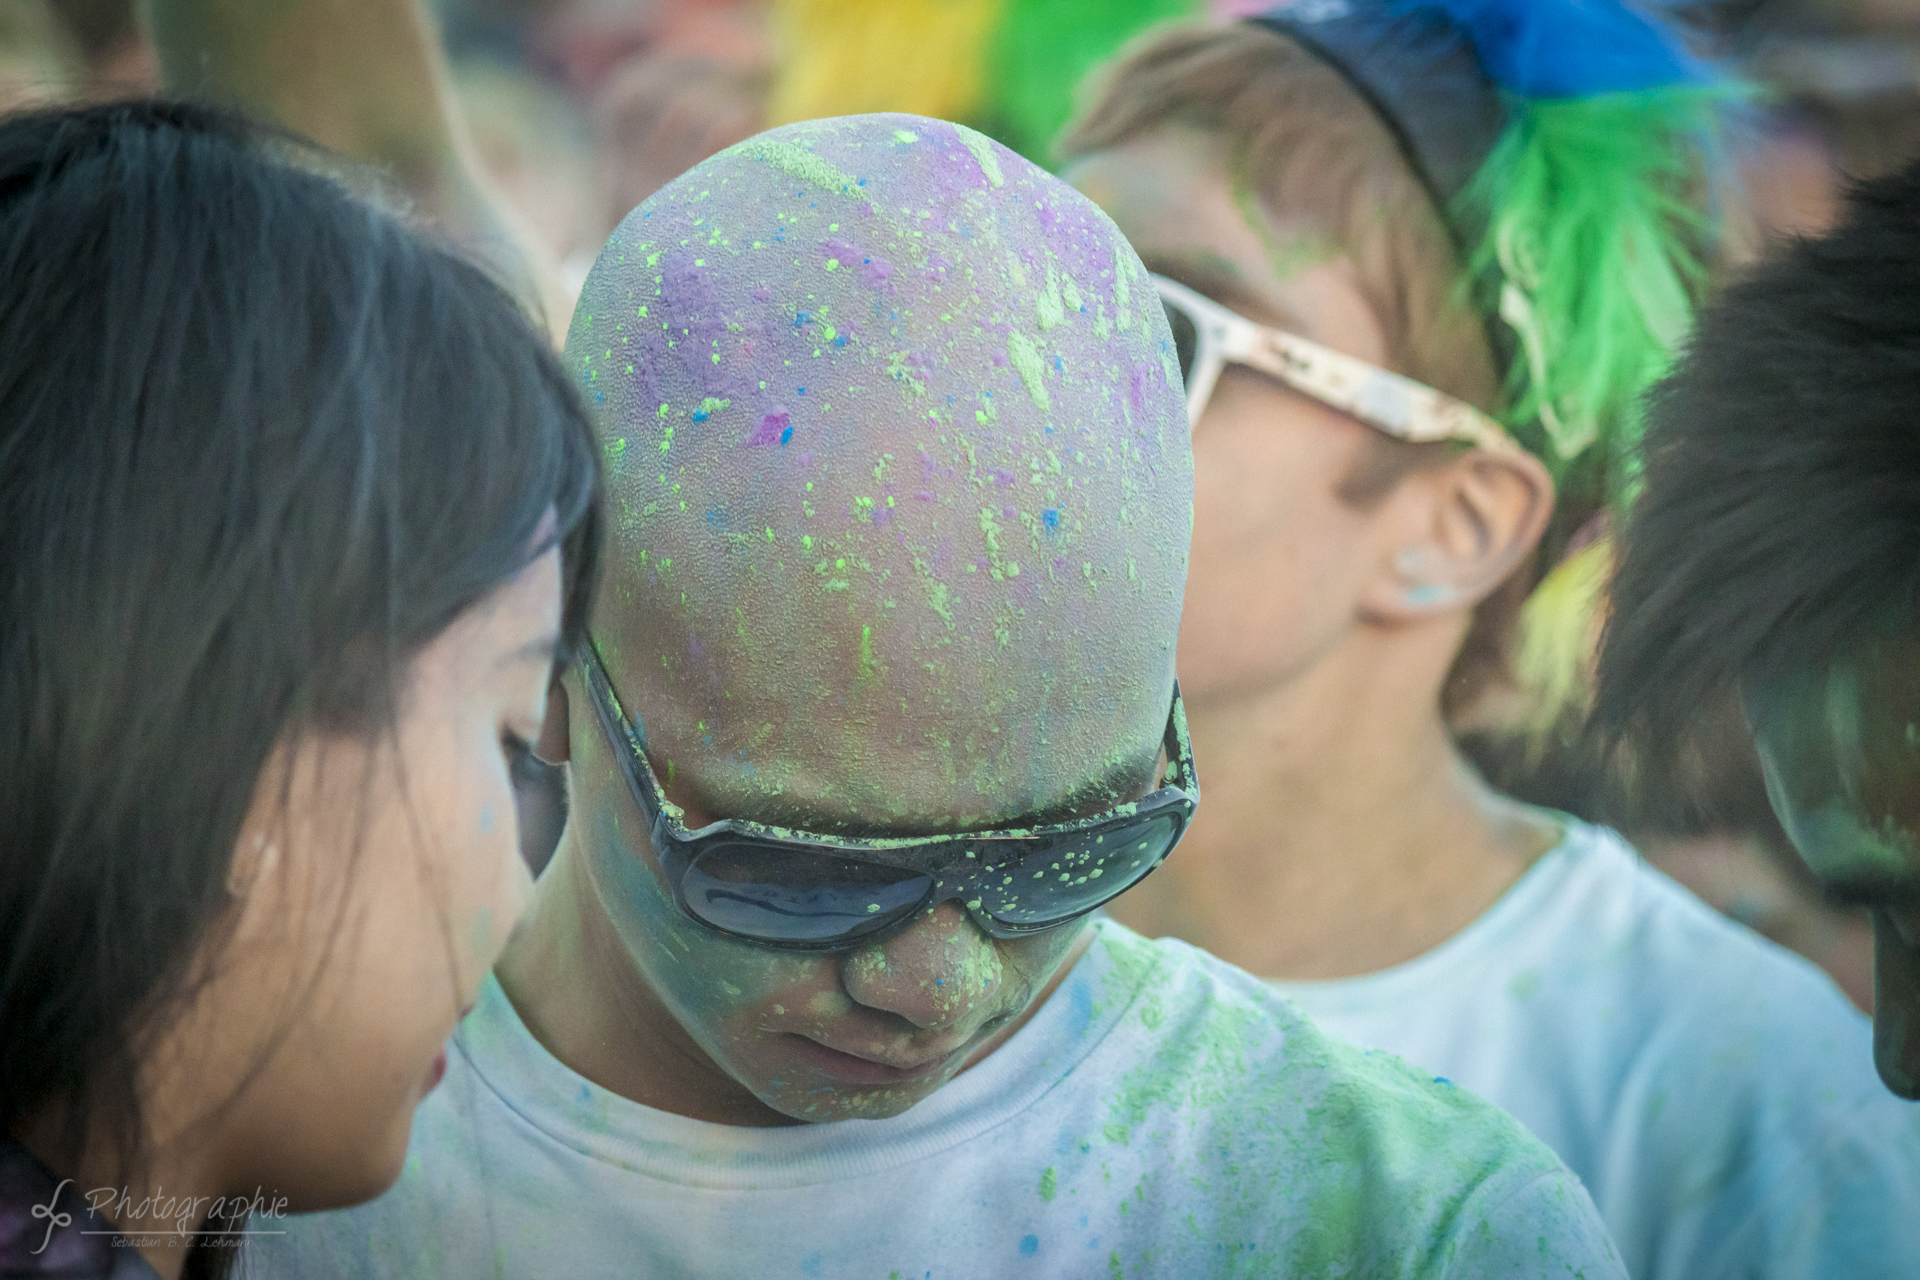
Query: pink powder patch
{"x": 873, "y": 272}
{"x": 1137, "y": 385}
{"x": 772, "y": 427}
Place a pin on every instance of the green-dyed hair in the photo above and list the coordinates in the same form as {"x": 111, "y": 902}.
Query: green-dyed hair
{"x": 1599, "y": 232}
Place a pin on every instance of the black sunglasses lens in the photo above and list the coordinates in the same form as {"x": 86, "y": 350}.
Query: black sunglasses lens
{"x": 1186, "y": 338}
{"x": 781, "y": 894}
{"x": 1078, "y": 872}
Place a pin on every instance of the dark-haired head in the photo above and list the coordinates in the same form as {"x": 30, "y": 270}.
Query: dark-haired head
{"x": 1775, "y": 553}
{"x": 261, "y": 445}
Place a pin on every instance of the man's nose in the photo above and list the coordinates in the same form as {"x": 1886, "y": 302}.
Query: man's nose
{"x": 937, "y": 972}
{"x": 1896, "y": 1005}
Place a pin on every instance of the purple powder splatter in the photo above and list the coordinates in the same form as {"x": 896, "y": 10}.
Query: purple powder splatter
{"x": 873, "y": 272}
{"x": 774, "y": 428}
{"x": 1137, "y": 385}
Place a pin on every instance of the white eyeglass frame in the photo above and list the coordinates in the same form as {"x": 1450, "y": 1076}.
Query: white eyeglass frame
{"x": 1386, "y": 401}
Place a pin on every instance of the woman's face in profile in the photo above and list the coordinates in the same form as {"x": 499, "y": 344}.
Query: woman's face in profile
{"x": 376, "y": 881}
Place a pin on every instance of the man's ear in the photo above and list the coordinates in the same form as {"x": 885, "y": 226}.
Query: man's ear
{"x": 1463, "y": 529}
{"x": 553, "y": 746}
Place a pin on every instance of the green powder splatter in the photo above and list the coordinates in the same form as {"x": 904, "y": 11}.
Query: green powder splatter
{"x": 1026, "y": 359}
{"x": 1049, "y": 1182}
{"x": 711, "y": 405}
{"x": 1048, "y": 303}
{"x": 900, "y": 371}
{"x": 801, "y": 163}
{"x": 983, "y": 153}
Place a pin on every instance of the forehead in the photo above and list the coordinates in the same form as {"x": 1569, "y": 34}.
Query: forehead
{"x": 1192, "y": 217}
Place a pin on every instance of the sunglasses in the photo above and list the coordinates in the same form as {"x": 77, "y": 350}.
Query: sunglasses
{"x": 1208, "y": 337}
{"x": 802, "y": 892}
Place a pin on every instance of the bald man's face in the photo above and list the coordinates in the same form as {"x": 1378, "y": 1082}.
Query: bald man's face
{"x": 902, "y": 496}
{"x": 813, "y": 1037}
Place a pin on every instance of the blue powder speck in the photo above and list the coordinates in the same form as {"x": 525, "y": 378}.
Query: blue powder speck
{"x": 786, "y": 435}
{"x": 840, "y": 341}
{"x": 1051, "y": 517}
{"x": 1029, "y": 1245}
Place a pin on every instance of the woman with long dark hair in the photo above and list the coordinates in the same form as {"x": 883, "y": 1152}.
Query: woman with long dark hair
{"x": 296, "y": 513}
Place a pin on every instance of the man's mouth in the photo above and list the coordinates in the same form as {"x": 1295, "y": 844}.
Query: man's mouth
{"x": 872, "y": 1067}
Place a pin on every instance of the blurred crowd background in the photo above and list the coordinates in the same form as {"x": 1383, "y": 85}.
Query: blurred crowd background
{"x": 578, "y": 109}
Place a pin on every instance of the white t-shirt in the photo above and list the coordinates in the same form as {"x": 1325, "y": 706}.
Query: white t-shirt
{"x": 1162, "y": 1114}
{"x": 1715, "y": 1092}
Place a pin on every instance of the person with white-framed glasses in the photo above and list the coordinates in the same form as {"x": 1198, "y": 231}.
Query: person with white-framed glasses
{"x": 1418, "y": 265}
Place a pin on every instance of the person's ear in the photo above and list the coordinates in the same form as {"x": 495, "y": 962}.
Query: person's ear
{"x": 1463, "y": 528}
{"x": 554, "y": 746}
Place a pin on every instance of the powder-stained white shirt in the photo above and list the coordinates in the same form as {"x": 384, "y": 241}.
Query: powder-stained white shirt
{"x": 1715, "y": 1092}
{"x": 1162, "y": 1114}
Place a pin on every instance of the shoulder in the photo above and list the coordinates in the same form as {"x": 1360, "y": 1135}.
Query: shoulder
{"x": 47, "y": 1227}
{"x": 1196, "y": 1015}
{"x": 1371, "y": 1156}
{"x": 1614, "y": 911}
{"x": 1703, "y": 1012}
{"x": 1768, "y": 1060}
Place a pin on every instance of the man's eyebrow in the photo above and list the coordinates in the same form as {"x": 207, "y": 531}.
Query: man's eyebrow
{"x": 541, "y": 649}
{"x": 1212, "y": 276}
{"x": 1110, "y": 790}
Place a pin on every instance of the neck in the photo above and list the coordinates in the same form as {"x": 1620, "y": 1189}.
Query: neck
{"x": 1341, "y": 832}
{"x": 160, "y": 1209}
{"x": 581, "y": 997}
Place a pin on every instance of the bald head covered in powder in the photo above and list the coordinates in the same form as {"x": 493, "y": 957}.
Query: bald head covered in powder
{"x": 901, "y": 481}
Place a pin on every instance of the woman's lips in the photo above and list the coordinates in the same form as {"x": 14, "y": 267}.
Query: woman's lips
{"x": 852, "y": 1067}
